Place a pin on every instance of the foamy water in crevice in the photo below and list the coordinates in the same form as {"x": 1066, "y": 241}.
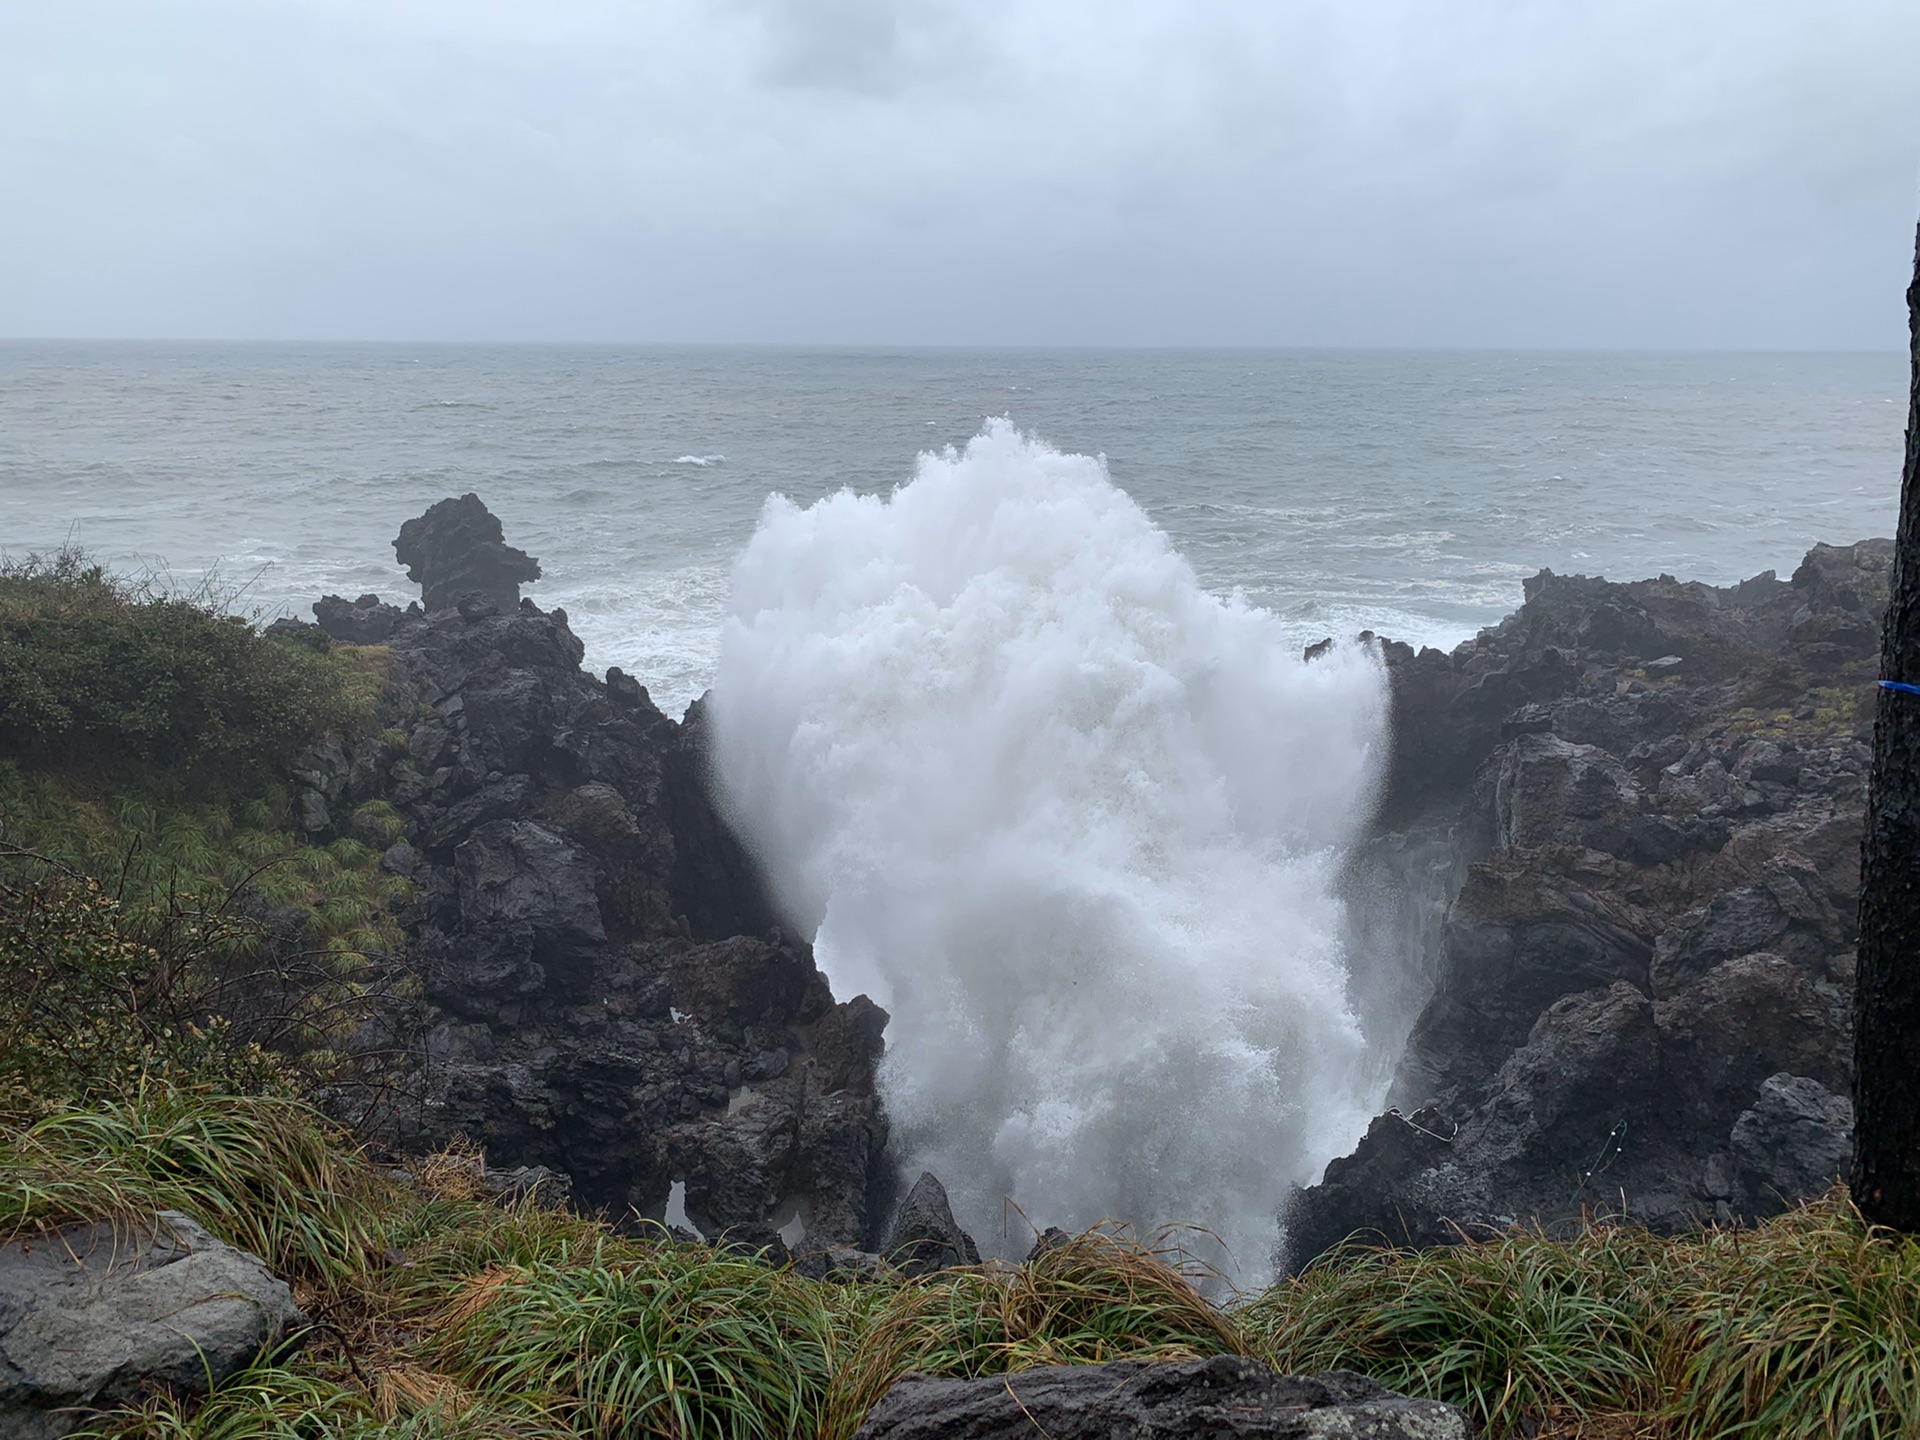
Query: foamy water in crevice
{"x": 1074, "y": 821}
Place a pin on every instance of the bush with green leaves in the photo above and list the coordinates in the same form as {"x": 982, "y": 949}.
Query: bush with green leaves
{"x": 92, "y": 1010}
{"x": 112, "y": 674}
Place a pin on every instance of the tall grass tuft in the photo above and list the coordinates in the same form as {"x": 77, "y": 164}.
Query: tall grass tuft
{"x": 1509, "y": 1330}
{"x": 677, "y": 1343}
{"x": 1100, "y": 1296}
{"x": 1805, "y": 1329}
{"x": 262, "y": 1172}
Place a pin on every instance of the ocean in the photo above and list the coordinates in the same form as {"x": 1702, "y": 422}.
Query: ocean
{"x": 1404, "y": 492}
{"x": 1022, "y": 737}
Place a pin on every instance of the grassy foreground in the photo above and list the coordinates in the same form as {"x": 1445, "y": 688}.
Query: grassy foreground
{"x": 437, "y": 1312}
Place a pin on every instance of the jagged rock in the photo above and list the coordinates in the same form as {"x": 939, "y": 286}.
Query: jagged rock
{"x": 925, "y": 1237}
{"x": 310, "y": 814}
{"x": 94, "y": 1315}
{"x": 1223, "y": 1397}
{"x": 514, "y": 872}
{"x": 366, "y": 621}
{"x": 604, "y": 992}
{"x": 458, "y": 549}
{"x": 1796, "y": 1140}
{"x": 1653, "y": 795}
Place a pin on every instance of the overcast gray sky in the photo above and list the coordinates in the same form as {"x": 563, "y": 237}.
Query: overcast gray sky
{"x": 1284, "y": 172}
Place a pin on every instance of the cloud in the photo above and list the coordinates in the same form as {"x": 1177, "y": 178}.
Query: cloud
{"x": 1234, "y": 171}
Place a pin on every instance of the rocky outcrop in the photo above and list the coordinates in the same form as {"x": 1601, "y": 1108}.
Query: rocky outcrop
{"x": 366, "y": 621}
{"x": 925, "y": 1237}
{"x": 1226, "y": 1397}
{"x": 601, "y": 987}
{"x": 458, "y": 550}
{"x": 1641, "y": 968}
{"x": 95, "y": 1315}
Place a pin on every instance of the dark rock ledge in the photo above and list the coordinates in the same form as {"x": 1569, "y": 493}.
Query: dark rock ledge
{"x": 1622, "y": 830}
{"x": 1226, "y": 1397}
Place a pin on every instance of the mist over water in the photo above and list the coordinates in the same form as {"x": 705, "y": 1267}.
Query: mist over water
{"x": 1074, "y": 821}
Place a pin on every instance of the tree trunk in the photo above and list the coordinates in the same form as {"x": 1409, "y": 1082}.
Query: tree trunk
{"x": 1886, "y": 1004}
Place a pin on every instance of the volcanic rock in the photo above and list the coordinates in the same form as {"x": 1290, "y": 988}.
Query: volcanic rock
{"x": 925, "y": 1237}
{"x": 457, "y": 549}
{"x": 593, "y": 981}
{"x": 95, "y": 1315}
{"x": 1795, "y": 1141}
{"x": 1225, "y": 1397}
{"x": 366, "y": 621}
{"x": 1647, "y": 798}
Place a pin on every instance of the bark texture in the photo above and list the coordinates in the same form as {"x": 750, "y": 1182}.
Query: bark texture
{"x": 1886, "y": 1158}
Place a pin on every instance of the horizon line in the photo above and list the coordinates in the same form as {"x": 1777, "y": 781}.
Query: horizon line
{"x": 954, "y": 346}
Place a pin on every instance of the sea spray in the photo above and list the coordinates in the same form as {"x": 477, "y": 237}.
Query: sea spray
{"x": 1075, "y": 822}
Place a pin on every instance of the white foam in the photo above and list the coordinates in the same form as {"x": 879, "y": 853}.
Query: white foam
{"x": 1074, "y": 821}
{"x": 702, "y": 460}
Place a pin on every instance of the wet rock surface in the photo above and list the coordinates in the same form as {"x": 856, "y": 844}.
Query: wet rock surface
{"x": 1639, "y": 807}
{"x": 598, "y": 984}
{"x": 925, "y": 1237}
{"x": 95, "y": 1315}
{"x": 1222, "y": 1397}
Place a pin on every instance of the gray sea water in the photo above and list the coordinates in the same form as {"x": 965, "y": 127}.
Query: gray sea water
{"x": 1404, "y": 492}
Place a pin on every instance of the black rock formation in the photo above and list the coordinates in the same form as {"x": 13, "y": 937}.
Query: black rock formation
{"x": 925, "y": 1237}
{"x": 456, "y": 550}
{"x": 1635, "y": 810}
{"x": 366, "y": 621}
{"x": 1226, "y": 1397}
{"x": 600, "y": 986}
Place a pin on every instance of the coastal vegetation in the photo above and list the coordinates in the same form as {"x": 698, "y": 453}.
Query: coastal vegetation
{"x": 144, "y": 743}
{"x": 436, "y": 1310}
{"x": 154, "y": 887}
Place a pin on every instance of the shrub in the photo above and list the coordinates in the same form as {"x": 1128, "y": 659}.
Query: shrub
{"x": 103, "y": 672}
{"x": 90, "y": 1011}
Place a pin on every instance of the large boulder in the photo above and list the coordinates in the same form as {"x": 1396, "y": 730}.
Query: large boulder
{"x": 1796, "y": 1140}
{"x": 366, "y": 621}
{"x": 1224, "y": 1398}
{"x": 97, "y": 1314}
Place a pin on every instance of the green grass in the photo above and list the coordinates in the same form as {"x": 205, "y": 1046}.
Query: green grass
{"x": 1509, "y": 1330}
{"x": 445, "y": 1314}
{"x": 263, "y": 1172}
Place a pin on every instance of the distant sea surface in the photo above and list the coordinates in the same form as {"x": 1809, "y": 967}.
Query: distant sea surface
{"x": 1404, "y": 492}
